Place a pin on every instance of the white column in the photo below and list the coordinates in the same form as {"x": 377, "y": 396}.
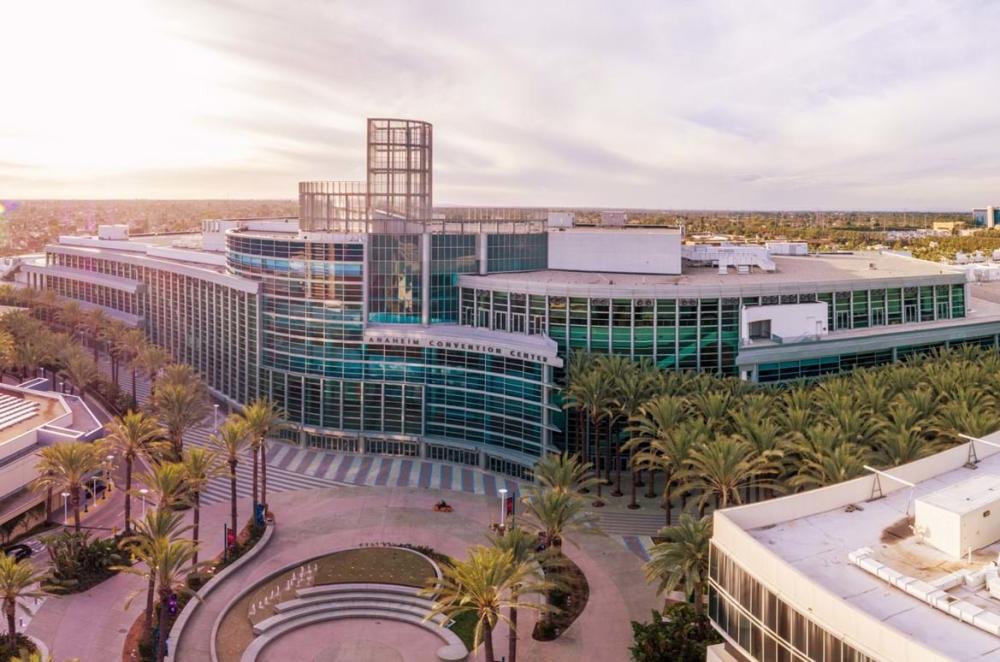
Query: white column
{"x": 425, "y": 279}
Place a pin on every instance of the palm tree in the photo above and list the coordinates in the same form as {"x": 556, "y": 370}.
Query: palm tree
{"x": 263, "y": 419}
{"x": 7, "y": 352}
{"x": 131, "y": 346}
{"x": 591, "y": 392}
{"x": 171, "y": 559}
{"x": 80, "y": 371}
{"x": 667, "y": 453}
{"x": 180, "y": 407}
{"x": 829, "y": 466}
{"x": 723, "y": 467}
{"x": 231, "y": 442}
{"x": 485, "y": 584}
{"x": 94, "y": 323}
{"x": 521, "y": 545}
{"x": 65, "y": 467}
{"x": 182, "y": 374}
{"x": 112, "y": 336}
{"x": 16, "y": 579}
{"x": 633, "y": 389}
{"x": 158, "y": 527}
{"x": 564, "y": 472}
{"x": 200, "y": 466}
{"x": 654, "y": 419}
{"x": 681, "y": 560}
{"x": 555, "y": 514}
{"x": 150, "y": 360}
{"x": 168, "y": 483}
{"x": 70, "y": 315}
{"x": 133, "y": 435}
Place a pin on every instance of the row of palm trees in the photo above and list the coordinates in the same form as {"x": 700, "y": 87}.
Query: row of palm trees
{"x": 496, "y": 580}
{"x": 167, "y": 547}
{"x": 716, "y": 441}
{"x": 49, "y": 335}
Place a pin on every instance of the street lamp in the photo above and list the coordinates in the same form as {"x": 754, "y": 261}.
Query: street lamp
{"x": 144, "y": 492}
{"x": 107, "y": 474}
{"x": 65, "y": 495}
{"x": 503, "y": 506}
{"x": 216, "y": 418}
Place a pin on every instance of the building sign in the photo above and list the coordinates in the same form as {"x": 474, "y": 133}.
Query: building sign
{"x": 381, "y": 337}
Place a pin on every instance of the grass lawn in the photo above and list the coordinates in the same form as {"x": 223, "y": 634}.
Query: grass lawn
{"x": 385, "y": 565}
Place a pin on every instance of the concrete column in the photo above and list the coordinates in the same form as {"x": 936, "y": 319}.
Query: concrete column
{"x": 425, "y": 279}
{"x": 482, "y": 252}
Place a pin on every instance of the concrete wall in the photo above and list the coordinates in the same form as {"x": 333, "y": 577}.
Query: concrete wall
{"x": 787, "y": 321}
{"x": 858, "y": 628}
{"x": 625, "y": 251}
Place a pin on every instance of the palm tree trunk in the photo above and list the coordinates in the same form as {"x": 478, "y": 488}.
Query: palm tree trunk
{"x": 263, "y": 473}
{"x": 633, "y": 504}
{"x": 48, "y": 505}
{"x": 607, "y": 453}
{"x": 699, "y": 602}
{"x": 597, "y": 454}
{"x": 128, "y": 494}
{"x": 232, "y": 495}
{"x": 135, "y": 398}
{"x": 196, "y": 502}
{"x": 512, "y": 637}
{"x": 666, "y": 500}
{"x": 8, "y": 607}
{"x": 161, "y": 639}
{"x": 649, "y": 488}
{"x": 488, "y": 642}
{"x": 150, "y": 592}
{"x": 618, "y": 472}
{"x": 255, "y": 453}
{"x": 75, "y": 497}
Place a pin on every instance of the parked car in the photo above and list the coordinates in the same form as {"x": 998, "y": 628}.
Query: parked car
{"x": 18, "y": 551}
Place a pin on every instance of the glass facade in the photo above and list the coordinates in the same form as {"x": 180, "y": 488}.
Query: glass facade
{"x": 817, "y": 367}
{"x": 763, "y": 624}
{"x": 451, "y": 254}
{"x": 394, "y": 278}
{"x": 690, "y": 333}
{"x": 517, "y": 252}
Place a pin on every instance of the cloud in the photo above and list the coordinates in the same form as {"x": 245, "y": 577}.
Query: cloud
{"x": 721, "y": 104}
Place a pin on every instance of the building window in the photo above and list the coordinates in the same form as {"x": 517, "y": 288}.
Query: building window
{"x": 760, "y": 330}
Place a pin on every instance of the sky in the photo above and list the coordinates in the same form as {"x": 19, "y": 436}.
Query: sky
{"x": 676, "y": 105}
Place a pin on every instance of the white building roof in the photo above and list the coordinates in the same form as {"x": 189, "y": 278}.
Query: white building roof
{"x": 966, "y": 496}
{"x": 798, "y": 546}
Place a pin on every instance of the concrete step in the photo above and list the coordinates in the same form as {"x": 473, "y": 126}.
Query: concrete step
{"x": 419, "y": 611}
{"x": 453, "y": 650}
{"x": 372, "y": 597}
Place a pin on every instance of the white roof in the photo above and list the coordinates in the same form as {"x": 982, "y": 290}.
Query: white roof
{"x": 966, "y": 496}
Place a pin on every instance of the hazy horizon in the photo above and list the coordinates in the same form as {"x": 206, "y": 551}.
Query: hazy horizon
{"x": 723, "y": 106}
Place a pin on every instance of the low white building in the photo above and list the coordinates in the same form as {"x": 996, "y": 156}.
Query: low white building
{"x": 845, "y": 573}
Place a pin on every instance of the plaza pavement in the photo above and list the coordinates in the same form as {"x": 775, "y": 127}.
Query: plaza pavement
{"x": 319, "y": 521}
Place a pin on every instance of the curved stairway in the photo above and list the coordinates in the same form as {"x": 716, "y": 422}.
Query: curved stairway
{"x": 317, "y": 604}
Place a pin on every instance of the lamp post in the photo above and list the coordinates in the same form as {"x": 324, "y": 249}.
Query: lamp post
{"x": 65, "y": 495}
{"x": 503, "y": 507}
{"x": 107, "y": 474}
{"x": 144, "y": 492}
{"x": 216, "y": 417}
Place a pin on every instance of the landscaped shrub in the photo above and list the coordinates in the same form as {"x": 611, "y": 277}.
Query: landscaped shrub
{"x": 23, "y": 648}
{"x": 680, "y": 636}
{"x": 77, "y": 562}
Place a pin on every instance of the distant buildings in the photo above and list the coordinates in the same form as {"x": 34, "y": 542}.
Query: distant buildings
{"x": 986, "y": 217}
